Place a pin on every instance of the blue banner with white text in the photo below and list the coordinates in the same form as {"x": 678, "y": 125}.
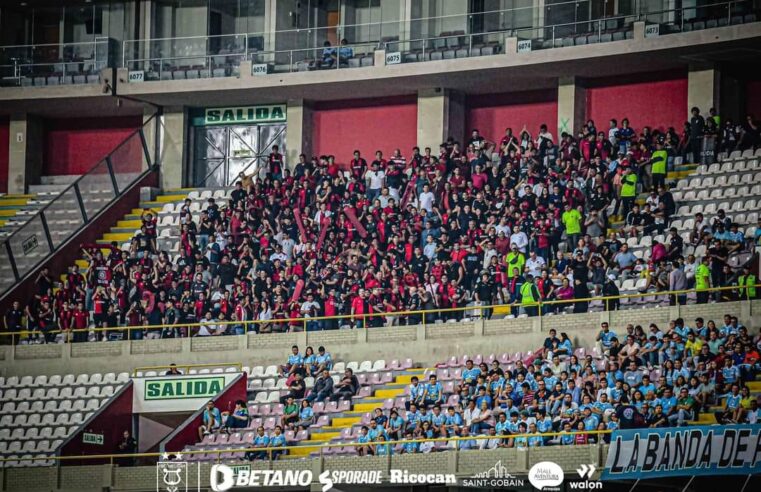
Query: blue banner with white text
{"x": 697, "y": 450}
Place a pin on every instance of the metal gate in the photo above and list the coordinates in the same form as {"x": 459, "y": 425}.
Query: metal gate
{"x": 223, "y": 152}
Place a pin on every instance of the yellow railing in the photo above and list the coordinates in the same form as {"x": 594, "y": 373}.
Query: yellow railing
{"x": 187, "y": 367}
{"x": 544, "y": 307}
{"x": 315, "y": 447}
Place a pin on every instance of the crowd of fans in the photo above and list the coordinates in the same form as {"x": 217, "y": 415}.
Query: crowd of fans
{"x": 526, "y": 218}
{"x": 642, "y": 377}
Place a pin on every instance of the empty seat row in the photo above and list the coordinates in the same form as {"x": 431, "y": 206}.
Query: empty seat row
{"x": 36, "y": 433}
{"x": 67, "y": 380}
{"x": 80, "y": 78}
{"x": 43, "y": 446}
{"x": 42, "y": 420}
{"x": 55, "y": 393}
{"x": 27, "y": 460}
{"x": 734, "y": 179}
{"x": 41, "y": 406}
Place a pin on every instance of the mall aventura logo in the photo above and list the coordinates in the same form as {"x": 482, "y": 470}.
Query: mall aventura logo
{"x": 497, "y": 476}
{"x": 546, "y": 475}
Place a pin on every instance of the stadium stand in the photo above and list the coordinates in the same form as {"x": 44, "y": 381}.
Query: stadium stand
{"x": 226, "y": 256}
{"x": 40, "y": 412}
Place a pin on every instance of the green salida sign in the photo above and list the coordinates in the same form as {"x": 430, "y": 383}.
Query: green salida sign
{"x": 181, "y": 388}
{"x": 269, "y": 113}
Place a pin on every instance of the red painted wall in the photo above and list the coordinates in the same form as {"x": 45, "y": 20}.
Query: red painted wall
{"x": 338, "y": 128}
{"x": 752, "y": 99}
{"x": 657, "y": 104}
{"x": 4, "y": 157}
{"x": 490, "y": 114}
{"x": 187, "y": 435}
{"x": 75, "y": 145}
{"x": 111, "y": 421}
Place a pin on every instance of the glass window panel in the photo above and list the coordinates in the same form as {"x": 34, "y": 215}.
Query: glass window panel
{"x": 97, "y": 189}
{"x": 64, "y": 217}
{"x": 29, "y": 245}
{"x": 6, "y": 270}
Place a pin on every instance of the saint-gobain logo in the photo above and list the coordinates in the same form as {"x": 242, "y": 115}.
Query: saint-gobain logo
{"x": 546, "y": 475}
{"x": 172, "y": 476}
{"x": 497, "y": 477}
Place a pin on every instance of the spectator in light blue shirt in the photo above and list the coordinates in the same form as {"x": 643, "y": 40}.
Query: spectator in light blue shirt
{"x": 261, "y": 440}
{"x": 409, "y": 447}
{"x": 322, "y": 361}
{"x": 434, "y": 393}
{"x": 295, "y": 363}
{"x": 277, "y": 441}
{"x": 383, "y": 448}
{"x": 466, "y": 442}
{"x": 606, "y": 336}
{"x": 212, "y": 420}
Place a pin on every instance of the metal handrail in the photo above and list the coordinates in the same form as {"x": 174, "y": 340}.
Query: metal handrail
{"x": 302, "y": 322}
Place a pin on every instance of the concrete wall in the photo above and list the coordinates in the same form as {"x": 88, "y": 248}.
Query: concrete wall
{"x": 426, "y": 345}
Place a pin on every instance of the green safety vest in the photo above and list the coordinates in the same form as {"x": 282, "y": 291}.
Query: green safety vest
{"x": 527, "y": 294}
{"x": 749, "y": 283}
{"x": 702, "y": 277}
{"x": 659, "y": 159}
{"x": 629, "y": 185}
{"x": 515, "y": 260}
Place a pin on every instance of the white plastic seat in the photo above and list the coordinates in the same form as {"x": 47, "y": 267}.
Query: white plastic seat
{"x": 78, "y": 406}
{"x": 48, "y": 418}
{"x": 96, "y": 378}
{"x": 109, "y": 378}
{"x": 22, "y": 407}
{"x": 107, "y": 391}
{"x": 59, "y": 432}
{"x": 80, "y": 392}
{"x": 76, "y": 418}
{"x": 257, "y": 371}
{"x": 271, "y": 371}
{"x": 65, "y": 406}
{"x": 93, "y": 392}
{"x": 92, "y": 405}
{"x": 23, "y": 394}
{"x": 26, "y": 382}
{"x": 68, "y": 380}
{"x": 52, "y": 393}
{"x": 40, "y": 381}
{"x": 122, "y": 377}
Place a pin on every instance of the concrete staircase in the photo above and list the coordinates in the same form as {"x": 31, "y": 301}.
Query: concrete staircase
{"x": 708, "y": 418}
{"x": 361, "y": 406}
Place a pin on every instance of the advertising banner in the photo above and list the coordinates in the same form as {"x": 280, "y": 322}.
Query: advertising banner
{"x": 698, "y": 450}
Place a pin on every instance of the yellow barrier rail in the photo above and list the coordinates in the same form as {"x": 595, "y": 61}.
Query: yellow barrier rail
{"x": 187, "y": 367}
{"x": 542, "y": 307}
{"x": 316, "y": 447}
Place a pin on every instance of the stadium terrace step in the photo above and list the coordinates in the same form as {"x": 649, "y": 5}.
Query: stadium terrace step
{"x": 365, "y": 407}
{"x": 117, "y": 236}
{"x": 302, "y": 451}
{"x": 389, "y": 393}
{"x": 340, "y": 422}
{"x": 171, "y": 198}
{"x": 129, "y": 224}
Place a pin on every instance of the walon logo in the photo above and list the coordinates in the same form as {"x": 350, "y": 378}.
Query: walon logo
{"x": 586, "y": 472}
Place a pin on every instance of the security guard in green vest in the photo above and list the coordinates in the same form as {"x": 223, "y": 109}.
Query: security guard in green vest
{"x": 628, "y": 190}
{"x": 658, "y": 170}
{"x": 746, "y": 284}
{"x": 530, "y": 296}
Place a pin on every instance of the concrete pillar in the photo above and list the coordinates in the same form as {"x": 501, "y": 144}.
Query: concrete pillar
{"x": 173, "y": 132}
{"x": 703, "y": 84}
{"x": 572, "y": 105}
{"x": 299, "y": 132}
{"x": 25, "y": 144}
{"x": 440, "y": 115}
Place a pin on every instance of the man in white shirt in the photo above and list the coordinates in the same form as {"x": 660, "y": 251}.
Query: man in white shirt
{"x": 535, "y": 263}
{"x": 426, "y": 199}
{"x": 322, "y": 214}
{"x": 309, "y": 309}
{"x": 519, "y": 238}
{"x": 375, "y": 179}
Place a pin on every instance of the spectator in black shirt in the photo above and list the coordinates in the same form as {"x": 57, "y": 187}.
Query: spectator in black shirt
{"x": 697, "y": 128}
{"x": 13, "y": 318}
